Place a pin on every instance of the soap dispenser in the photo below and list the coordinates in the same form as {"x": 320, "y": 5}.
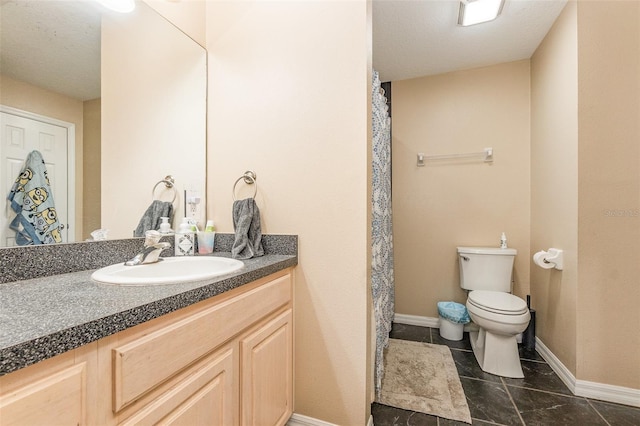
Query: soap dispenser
{"x": 184, "y": 239}
{"x": 165, "y": 226}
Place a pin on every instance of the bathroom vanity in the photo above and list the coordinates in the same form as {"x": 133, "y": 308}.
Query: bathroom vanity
{"x": 226, "y": 358}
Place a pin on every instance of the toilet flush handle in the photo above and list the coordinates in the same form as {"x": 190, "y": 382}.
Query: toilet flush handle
{"x": 465, "y": 258}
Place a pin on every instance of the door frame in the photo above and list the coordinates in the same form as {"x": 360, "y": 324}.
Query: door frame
{"x": 71, "y": 162}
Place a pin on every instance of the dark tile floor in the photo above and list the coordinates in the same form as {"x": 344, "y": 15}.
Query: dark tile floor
{"x": 541, "y": 398}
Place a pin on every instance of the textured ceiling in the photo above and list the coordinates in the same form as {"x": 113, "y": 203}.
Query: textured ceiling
{"x": 52, "y": 44}
{"x": 58, "y": 47}
{"x": 413, "y": 38}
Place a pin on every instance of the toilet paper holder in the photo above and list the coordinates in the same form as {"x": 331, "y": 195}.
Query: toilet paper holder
{"x": 552, "y": 258}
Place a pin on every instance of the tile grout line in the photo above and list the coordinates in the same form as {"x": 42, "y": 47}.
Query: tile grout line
{"x": 512, "y": 401}
{"x": 488, "y": 422}
{"x": 596, "y": 410}
{"x": 534, "y": 360}
{"x": 459, "y": 349}
{"x": 544, "y": 391}
{"x": 478, "y": 379}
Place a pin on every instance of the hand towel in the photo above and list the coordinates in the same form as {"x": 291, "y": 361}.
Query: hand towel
{"x": 150, "y": 220}
{"x": 246, "y": 223}
{"x": 31, "y": 197}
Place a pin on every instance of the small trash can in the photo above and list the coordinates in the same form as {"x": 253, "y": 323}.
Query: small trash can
{"x": 453, "y": 317}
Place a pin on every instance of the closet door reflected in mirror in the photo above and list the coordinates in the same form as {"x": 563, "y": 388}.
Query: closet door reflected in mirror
{"x": 20, "y": 134}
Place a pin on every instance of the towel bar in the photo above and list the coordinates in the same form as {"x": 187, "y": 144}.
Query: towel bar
{"x": 249, "y": 178}
{"x": 486, "y": 155}
{"x": 169, "y": 182}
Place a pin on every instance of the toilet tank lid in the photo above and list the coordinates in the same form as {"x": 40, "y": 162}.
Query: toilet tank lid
{"x": 488, "y": 250}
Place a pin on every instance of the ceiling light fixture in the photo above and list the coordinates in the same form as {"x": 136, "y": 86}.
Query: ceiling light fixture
{"x": 122, "y": 6}
{"x": 478, "y": 11}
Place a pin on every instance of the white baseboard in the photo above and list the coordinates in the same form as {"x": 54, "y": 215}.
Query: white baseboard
{"x": 610, "y": 393}
{"x": 422, "y": 321}
{"x": 556, "y": 365}
{"x": 593, "y": 390}
{"x": 417, "y": 320}
{"x": 300, "y": 420}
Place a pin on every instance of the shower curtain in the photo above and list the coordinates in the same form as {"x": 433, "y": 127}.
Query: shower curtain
{"x": 382, "y": 238}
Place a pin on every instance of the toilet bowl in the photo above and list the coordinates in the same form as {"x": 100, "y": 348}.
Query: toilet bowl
{"x": 500, "y": 317}
{"x": 486, "y": 273}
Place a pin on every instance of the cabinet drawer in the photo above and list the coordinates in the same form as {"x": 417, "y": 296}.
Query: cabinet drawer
{"x": 144, "y": 363}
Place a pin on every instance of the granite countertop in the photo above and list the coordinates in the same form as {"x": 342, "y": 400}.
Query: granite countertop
{"x": 44, "y": 317}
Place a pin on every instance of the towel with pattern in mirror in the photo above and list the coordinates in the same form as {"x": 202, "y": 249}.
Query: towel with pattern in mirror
{"x": 31, "y": 198}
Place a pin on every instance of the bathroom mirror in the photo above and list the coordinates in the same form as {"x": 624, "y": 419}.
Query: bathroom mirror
{"x": 132, "y": 87}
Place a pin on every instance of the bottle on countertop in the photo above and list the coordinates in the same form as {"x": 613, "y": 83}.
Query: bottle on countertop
{"x": 193, "y": 226}
{"x": 184, "y": 239}
{"x": 206, "y": 238}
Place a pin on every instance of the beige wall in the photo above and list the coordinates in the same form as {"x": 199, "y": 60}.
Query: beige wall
{"x": 27, "y": 97}
{"x": 153, "y": 117}
{"x": 458, "y": 203}
{"x": 188, "y": 15}
{"x": 289, "y": 87}
{"x": 585, "y": 115}
{"x": 554, "y": 184}
{"x": 608, "y": 340}
{"x": 91, "y": 177}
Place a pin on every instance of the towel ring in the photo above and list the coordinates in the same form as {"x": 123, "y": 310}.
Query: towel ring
{"x": 169, "y": 182}
{"x": 249, "y": 178}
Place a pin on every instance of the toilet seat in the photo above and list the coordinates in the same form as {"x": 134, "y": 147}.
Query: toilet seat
{"x": 497, "y": 302}
{"x": 507, "y": 314}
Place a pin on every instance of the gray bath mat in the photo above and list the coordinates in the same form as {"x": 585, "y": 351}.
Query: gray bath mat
{"x": 423, "y": 377}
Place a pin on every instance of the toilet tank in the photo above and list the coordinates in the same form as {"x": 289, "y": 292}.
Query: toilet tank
{"x": 486, "y": 268}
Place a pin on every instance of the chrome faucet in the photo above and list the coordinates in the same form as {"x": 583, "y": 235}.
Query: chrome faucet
{"x": 151, "y": 251}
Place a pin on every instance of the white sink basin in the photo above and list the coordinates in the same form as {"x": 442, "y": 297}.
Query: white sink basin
{"x": 170, "y": 270}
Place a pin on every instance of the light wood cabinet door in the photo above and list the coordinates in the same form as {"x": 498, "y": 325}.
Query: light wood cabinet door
{"x": 59, "y": 398}
{"x": 207, "y": 396}
{"x": 267, "y": 372}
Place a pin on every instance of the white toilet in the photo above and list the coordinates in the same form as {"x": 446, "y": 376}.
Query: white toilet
{"x": 486, "y": 272}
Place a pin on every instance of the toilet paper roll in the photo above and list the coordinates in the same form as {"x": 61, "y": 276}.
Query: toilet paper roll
{"x": 538, "y": 259}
